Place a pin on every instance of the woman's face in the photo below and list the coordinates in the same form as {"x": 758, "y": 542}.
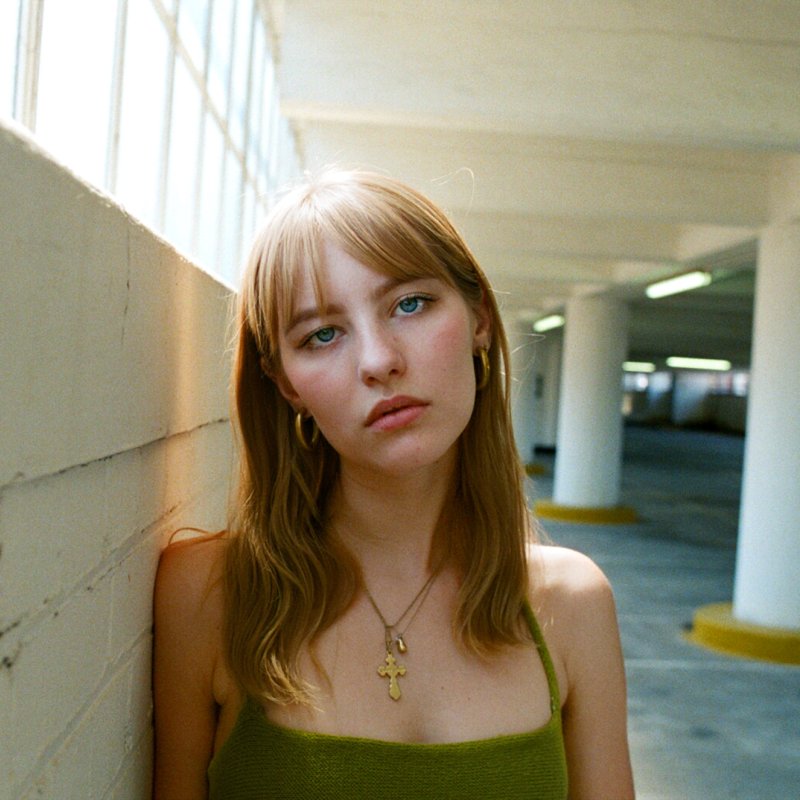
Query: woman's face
{"x": 386, "y": 368}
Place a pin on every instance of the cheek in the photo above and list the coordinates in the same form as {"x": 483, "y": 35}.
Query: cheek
{"x": 327, "y": 393}
{"x": 319, "y": 391}
{"x": 306, "y": 384}
{"x": 453, "y": 347}
{"x": 450, "y": 368}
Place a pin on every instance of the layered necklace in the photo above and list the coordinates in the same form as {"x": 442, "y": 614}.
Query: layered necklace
{"x": 394, "y": 636}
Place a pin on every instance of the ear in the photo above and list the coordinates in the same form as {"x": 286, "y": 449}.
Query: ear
{"x": 482, "y": 331}
{"x": 287, "y": 390}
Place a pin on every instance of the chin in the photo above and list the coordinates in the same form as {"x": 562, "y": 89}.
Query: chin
{"x": 420, "y": 458}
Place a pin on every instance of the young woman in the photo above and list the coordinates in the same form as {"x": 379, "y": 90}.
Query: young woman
{"x": 379, "y": 619}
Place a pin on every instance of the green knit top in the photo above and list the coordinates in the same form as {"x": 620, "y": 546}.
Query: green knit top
{"x": 262, "y": 760}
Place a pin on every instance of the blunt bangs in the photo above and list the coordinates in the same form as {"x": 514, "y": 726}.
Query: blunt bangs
{"x": 384, "y": 225}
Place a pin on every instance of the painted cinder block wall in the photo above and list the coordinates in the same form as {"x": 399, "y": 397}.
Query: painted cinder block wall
{"x": 113, "y": 433}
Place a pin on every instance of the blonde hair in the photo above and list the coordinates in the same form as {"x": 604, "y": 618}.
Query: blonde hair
{"x": 286, "y": 581}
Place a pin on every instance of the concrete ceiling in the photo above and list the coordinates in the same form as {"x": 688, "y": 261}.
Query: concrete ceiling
{"x": 582, "y": 146}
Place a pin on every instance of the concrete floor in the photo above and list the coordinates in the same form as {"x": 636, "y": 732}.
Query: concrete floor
{"x": 702, "y": 725}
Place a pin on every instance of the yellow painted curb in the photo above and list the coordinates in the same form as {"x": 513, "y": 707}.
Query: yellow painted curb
{"x": 614, "y": 515}
{"x": 536, "y": 469}
{"x": 716, "y": 628}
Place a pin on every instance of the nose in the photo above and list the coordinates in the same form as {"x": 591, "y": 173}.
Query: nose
{"x": 380, "y": 358}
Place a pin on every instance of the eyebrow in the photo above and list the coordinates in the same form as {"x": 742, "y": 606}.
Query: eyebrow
{"x": 306, "y": 314}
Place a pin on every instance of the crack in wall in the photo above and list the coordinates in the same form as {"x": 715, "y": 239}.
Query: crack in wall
{"x": 127, "y": 284}
{"x": 20, "y": 478}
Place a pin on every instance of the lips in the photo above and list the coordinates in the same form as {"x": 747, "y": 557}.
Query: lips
{"x": 395, "y": 412}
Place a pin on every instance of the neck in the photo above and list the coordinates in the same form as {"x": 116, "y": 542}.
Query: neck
{"x": 389, "y": 524}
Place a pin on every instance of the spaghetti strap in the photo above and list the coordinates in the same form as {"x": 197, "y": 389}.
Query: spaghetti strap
{"x": 544, "y": 654}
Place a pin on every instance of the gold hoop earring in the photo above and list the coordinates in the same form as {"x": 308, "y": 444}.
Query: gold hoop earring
{"x": 482, "y": 379}
{"x": 301, "y": 434}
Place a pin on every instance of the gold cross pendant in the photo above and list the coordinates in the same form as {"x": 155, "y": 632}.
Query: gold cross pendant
{"x": 391, "y": 670}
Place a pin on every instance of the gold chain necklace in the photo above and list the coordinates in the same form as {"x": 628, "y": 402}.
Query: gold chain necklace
{"x": 390, "y": 668}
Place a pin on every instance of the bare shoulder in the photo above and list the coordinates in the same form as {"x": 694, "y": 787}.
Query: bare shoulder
{"x": 189, "y": 600}
{"x": 575, "y": 605}
{"x": 561, "y": 575}
{"x": 188, "y": 680}
{"x": 190, "y": 570}
{"x": 573, "y": 600}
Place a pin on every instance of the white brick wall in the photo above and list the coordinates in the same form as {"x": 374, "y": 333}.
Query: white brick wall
{"x": 113, "y": 433}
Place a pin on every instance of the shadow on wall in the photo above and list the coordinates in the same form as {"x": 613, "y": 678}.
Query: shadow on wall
{"x": 114, "y": 415}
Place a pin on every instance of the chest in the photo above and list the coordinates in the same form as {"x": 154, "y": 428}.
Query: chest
{"x": 434, "y": 692}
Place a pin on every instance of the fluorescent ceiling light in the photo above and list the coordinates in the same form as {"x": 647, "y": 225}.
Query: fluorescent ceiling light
{"x": 718, "y": 364}
{"x": 548, "y": 323}
{"x": 680, "y": 283}
{"x": 639, "y": 366}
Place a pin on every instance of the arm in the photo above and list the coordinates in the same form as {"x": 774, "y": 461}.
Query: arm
{"x": 188, "y": 613}
{"x": 586, "y": 638}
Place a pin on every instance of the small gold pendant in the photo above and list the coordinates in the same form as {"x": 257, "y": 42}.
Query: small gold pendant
{"x": 392, "y": 670}
{"x": 401, "y": 645}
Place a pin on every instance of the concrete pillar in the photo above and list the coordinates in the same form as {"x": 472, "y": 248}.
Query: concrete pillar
{"x": 767, "y": 583}
{"x": 521, "y": 341}
{"x": 547, "y": 382}
{"x": 589, "y": 454}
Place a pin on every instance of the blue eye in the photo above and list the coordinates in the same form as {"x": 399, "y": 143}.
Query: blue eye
{"x": 412, "y": 303}
{"x": 324, "y": 335}
{"x": 408, "y": 304}
{"x": 320, "y": 337}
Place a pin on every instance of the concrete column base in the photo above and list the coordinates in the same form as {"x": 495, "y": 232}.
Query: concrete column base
{"x": 716, "y": 628}
{"x": 532, "y": 468}
{"x": 613, "y": 515}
